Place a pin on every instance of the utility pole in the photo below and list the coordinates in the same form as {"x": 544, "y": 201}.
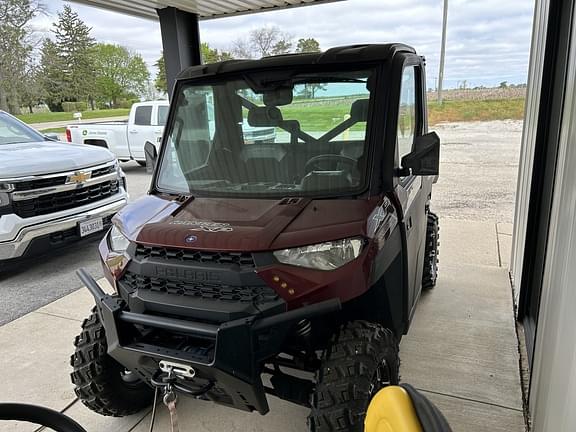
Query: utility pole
{"x": 442, "y": 51}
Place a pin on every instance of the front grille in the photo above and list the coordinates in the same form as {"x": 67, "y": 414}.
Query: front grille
{"x": 103, "y": 171}
{"x": 41, "y": 183}
{"x": 200, "y": 290}
{"x": 73, "y": 234}
{"x": 242, "y": 259}
{"x": 51, "y": 203}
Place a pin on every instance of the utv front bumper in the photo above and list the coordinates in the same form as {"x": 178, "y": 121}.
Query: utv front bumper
{"x": 227, "y": 358}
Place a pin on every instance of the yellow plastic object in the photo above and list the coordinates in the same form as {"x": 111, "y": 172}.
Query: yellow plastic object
{"x": 391, "y": 410}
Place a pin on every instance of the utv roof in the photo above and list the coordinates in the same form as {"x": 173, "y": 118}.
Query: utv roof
{"x": 337, "y": 55}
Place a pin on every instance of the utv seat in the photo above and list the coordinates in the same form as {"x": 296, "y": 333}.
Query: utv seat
{"x": 265, "y": 162}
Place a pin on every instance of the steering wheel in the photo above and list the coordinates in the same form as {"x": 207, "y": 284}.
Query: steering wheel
{"x": 318, "y": 163}
{"x": 39, "y": 415}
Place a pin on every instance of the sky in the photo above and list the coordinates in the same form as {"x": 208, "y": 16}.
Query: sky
{"x": 488, "y": 41}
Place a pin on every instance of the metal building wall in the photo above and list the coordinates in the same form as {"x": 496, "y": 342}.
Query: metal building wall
{"x": 553, "y": 384}
{"x": 528, "y": 140}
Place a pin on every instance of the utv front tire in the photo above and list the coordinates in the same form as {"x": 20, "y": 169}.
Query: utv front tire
{"x": 100, "y": 381}
{"x": 362, "y": 359}
{"x": 430, "y": 273}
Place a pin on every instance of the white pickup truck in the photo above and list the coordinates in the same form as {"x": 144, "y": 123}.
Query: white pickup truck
{"x": 52, "y": 193}
{"x": 125, "y": 139}
{"x": 145, "y": 123}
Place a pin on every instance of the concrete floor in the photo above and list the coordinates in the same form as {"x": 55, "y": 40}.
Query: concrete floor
{"x": 461, "y": 351}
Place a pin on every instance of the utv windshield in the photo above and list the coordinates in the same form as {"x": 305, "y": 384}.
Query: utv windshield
{"x": 304, "y": 134}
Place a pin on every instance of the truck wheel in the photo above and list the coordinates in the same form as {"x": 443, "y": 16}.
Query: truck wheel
{"x": 362, "y": 359}
{"x": 430, "y": 273}
{"x": 101, "y": 383}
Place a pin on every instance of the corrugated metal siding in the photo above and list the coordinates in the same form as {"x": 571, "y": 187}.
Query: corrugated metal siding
{"x": 553, "y": 386}
{"x": 528, "y": 141}
{"x": 205, "y": 9}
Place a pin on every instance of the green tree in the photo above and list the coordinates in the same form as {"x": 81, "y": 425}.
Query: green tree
{"x": 15, "y": 50}
{"x": 71, "y": 62}
{"x": 213, "y": 55}
{"x": 309, "y": 45}
{"x": 208, "y": 54}
{"x": 281, "y": 47}
{"x": 32, "y": 92}
{"x": 51, "y": 77}
{"x": 160, "y": 81}
{"x": 119, "y": 73}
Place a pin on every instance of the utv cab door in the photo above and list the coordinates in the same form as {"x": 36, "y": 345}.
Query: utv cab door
{"x": 411, "y": 195}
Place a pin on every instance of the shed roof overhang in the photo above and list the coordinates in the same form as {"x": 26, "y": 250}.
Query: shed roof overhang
{"x": 205, "y": 9}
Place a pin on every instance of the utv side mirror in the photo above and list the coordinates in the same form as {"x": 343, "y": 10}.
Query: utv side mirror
{"x": 151, "y": 155}
{"x": 424, "y": 159}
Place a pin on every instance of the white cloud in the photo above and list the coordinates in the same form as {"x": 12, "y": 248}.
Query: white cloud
{"x": 488, "y": 41}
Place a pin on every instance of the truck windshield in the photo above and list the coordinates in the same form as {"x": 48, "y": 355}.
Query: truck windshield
{"x": 13, "y": 131}
{"x": 247, "y": 137}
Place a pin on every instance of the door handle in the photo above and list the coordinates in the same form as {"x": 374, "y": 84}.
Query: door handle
{"x": 133, "y": 131}
{"x": 409, "y": 223}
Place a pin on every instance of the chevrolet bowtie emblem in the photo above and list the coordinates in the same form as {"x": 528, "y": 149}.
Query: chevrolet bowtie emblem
{"x": 79, "y": 177}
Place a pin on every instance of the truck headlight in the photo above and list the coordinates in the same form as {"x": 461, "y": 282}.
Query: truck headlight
{"x": 117, "y": 241}
{"x": 5, "y": 201}
{"x": 322, "y": 256}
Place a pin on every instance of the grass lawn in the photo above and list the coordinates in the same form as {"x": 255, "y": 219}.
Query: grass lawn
{"x": 63, "y": 116}
{"x": 475, "y": 110}
{"x": 53, "y": 130}
{"x": 323, "y": 117}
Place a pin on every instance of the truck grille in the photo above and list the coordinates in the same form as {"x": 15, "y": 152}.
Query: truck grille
{"x": 51, "y": 203}
{"x": 243, "y": 259}
{"x": 41, "y": 183}
{"x": 200, "y": 290}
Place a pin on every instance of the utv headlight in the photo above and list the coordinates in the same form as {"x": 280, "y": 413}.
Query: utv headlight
{"x": 322, "y": 256}
{"x": 117, "y": 241}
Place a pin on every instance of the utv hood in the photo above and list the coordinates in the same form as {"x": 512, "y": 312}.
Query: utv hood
{"x": 225, "y": 224}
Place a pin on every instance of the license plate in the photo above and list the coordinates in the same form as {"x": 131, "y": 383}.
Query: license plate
{"x": 91, "y": 226}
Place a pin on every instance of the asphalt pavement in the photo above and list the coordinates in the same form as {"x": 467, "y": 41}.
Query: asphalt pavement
{"x": 44, "y": 279}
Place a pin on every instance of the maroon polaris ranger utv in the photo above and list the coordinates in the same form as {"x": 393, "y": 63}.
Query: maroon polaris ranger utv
{"x": 290, "y": 268}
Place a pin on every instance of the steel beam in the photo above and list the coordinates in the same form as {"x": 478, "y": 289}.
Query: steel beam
{"x": 180, "y": 42}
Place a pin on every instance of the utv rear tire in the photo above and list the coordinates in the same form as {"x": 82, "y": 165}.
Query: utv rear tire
{"x": 362, "y": 359}
{"x": 430, "y": 273}
{"x": 98, "y": 378}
